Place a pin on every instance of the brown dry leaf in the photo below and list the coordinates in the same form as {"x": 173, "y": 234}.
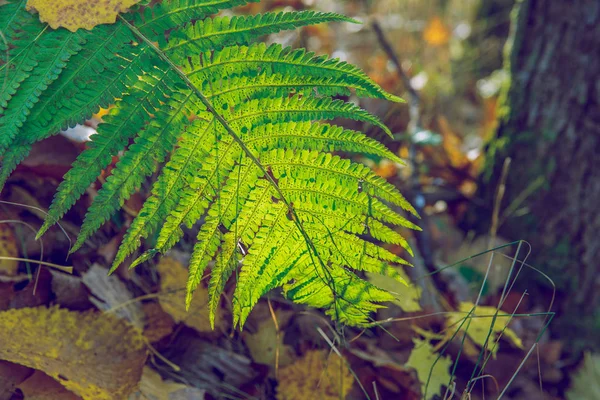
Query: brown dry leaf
{"x": 75, "y": 14}
{"x": 315, "y": 376}
{"x": 173, "y": 278}
{"x": 264, "y": 344}
{"x": 158, "y": 323}
{"x": 11, "y": 375}
{"x": 8, "y": 248}
{"x": 42, "y": 387}
{"x": 96, "y": 356}
{"x": 436, "y": 32}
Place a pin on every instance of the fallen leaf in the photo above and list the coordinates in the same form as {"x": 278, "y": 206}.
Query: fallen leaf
{"x": 153, "y": 387}
{"x": 264, "y": 344}
{"x": 75, "y": 14}
{"x": 42, "y": 387}
{"x": 315, "y": 376}
{"x": 96, "y": 356}
{"x": 432, "y": 368}
{"x": 173, "y": 278}
{"x": 481, "y": 325}
{"x": 585, "y": 383}
{"x": 207, "y": 366}
{"x": 111, "y": 293}
{"x": 69, "y": 291}
{"x": 436, "y": 33}
{"x": 8, "y": 248}
{"x": 407, "y": 297}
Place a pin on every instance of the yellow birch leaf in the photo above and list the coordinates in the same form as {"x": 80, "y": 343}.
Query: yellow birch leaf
{"x": 315, "y": 376}
{"x": 96, "y": 356}
{"x": 480, "y": 326}
{"x": 8, "y": 248}
{"x": 585, "y": 382}
{"x": 263, "y": 344}
{"x": 75, "y": 14}
{"x": 432, "y": 375}
{"x": 173, "y": 278}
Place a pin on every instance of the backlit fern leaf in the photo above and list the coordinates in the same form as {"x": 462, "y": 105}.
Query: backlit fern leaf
{"x": 237, "y": 133}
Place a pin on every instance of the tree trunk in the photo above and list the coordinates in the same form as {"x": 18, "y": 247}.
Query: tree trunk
{"x": 550, "y": 128}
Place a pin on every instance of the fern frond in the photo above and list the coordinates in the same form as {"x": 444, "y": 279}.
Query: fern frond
{"x": 240, "y": 128}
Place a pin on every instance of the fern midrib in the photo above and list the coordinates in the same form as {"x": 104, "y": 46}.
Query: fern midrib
{"x": 336, "y": 172}
{"x": 288, "y": 63}
{"x": 282, "y": 85}
{"x": 276, "y": 111}
{"x": 302, "y": 137}
{"x": 322, "y": 193}
{"x": 235, "y": 31}
{"x": 178, "y": 10}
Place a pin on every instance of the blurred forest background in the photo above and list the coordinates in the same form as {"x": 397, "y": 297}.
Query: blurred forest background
{"x": 501, "y": 136}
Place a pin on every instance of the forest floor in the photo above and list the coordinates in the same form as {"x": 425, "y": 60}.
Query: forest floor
{"x": 468, "y": 325}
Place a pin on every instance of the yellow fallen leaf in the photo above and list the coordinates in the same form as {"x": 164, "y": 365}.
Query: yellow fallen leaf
{"x": 432, "y": 375}
{"x": 8, "y": 248}
{"x": 96, "y": 356}
{"x": 263, "y": 344}
{"x": 173, "y": 278}
{"x": 480, "y": 326}
{"x": 585, "y": 382}
{"x": 75, "y": 14}
{"x": 407, "y": 297}
{"x": 436, "y": 32}
{"x": 315, "y": 376}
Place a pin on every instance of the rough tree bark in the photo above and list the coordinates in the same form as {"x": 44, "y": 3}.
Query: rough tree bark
{"x": 550, "y": 128}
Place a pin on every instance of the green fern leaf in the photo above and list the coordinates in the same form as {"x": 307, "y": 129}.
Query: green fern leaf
{"x": 240, "y": 128}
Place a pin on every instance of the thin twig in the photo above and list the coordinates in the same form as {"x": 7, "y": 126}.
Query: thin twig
{"x": 415, "y": 125}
